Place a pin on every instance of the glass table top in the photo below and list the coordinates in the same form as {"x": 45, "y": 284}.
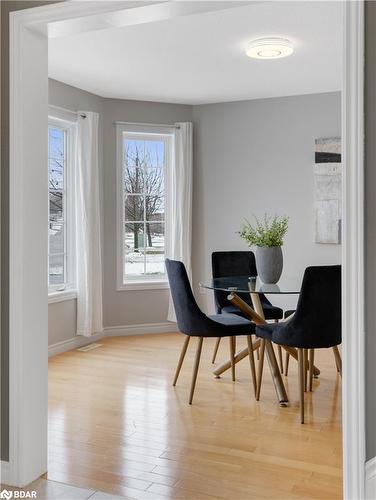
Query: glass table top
{"x": 247, "y": 284}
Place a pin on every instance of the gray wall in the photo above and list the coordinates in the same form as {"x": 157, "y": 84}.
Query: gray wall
{"x": 263, "y": 141}
{"x": 370, "y": 229}
{"x": 61, "y": 321}
{"x": 124, "y": 307}
{"x": 129, "y": 307}
{"x": 253, "y": 157}
{"x": 72, "y": 98}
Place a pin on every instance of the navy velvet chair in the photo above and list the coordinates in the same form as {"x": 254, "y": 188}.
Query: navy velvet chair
{"x": 194, "y": 323}
{"x": 315, "y": 324}
{"x": 239, "y": 263}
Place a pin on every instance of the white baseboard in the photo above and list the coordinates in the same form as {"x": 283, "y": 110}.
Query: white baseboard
{"x": 142, "y": 329}
{"x": 4, "y": 472}
{"x": 371, "y": 479}
{"x": 111, "y": 331}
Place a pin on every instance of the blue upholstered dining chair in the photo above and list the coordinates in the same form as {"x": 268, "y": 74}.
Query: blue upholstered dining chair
{"x": 194, "y": 323}
{"x": 315, "y": 324}
{"x": 239, "y": 263}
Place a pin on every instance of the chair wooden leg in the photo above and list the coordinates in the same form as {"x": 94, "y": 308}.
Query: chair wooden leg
{"x": 280, "y": 358}
{"x": 301, "y": 382}
{"x": 216, "y": 349}
{"x": 232, "y": 341}
{"x": 260, "y": 368}
{"x": 338, "y": 359}
{"x": 305, "y": 369}
{"x": 181, "y": 359}
{"x": 287, "y": 361}
{"x": 336, "y": 363}
{"x": 195, "y": 368}
{"x": 311, "y": 364}
{"x": 252, "y": 362}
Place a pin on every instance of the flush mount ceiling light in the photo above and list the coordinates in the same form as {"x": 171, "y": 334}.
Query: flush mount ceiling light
{"x": 270, "y": 48}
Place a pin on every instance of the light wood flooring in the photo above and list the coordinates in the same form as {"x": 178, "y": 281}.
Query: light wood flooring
{"x": 117, "y": 425}
{"x": 43, "y": 489}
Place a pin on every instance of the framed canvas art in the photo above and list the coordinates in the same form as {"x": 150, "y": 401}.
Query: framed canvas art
{"x": 327, "y": 190}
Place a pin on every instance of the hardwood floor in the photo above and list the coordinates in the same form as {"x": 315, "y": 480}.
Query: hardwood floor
{"x": 116, "y": 424}
{"x": 52, "y": 490}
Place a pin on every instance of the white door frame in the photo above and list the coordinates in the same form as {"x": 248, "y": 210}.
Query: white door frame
{"x": 353, "y": 301}
{"x": 28, "y": 289}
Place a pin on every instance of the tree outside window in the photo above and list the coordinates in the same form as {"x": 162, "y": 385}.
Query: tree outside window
{"x": 144, "y": 206}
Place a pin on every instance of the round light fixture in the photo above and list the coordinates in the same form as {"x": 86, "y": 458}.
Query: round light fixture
{"x": 270, "y": 48}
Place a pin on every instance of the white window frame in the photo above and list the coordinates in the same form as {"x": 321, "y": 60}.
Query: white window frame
{"x": 147, "y": 132}
{"x": 66, "y": 290}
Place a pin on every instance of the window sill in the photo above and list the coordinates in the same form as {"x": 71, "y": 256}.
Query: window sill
{"x": 54, "y": 297}
{"x": 143, "y": 285}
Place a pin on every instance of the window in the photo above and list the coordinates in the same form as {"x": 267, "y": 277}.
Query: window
{"x": 143, "y": 164}
{"x": 61, "y": 137}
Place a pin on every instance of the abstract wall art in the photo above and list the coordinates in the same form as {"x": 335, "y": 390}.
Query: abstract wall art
{"x": 327, "y": 192}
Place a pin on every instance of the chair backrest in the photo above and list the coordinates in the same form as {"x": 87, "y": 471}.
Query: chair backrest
{"x": 236, "y": 263}
{"x": 317, "y": 320}
{"x": 191, "y": 320}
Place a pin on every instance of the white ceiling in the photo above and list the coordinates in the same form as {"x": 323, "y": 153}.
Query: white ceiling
{"x": 199, "y": 58}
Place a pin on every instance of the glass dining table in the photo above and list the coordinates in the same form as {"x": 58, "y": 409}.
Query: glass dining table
{"x": 237, "y": 288}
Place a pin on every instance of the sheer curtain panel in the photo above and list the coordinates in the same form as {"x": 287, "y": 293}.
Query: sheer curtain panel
{"x": 88, "y": 230}
{"x": 180, "y": 228}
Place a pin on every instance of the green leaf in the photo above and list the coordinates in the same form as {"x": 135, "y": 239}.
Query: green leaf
{"x": 266, "y": 233}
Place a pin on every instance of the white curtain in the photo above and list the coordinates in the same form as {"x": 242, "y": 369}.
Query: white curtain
{"x": 180, "y": 227}
{"x": 88, "y": 231}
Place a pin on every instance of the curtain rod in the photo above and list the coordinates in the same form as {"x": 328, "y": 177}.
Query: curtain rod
{"x": 148, "y": 124}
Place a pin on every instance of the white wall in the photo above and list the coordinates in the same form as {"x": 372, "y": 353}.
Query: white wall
{"x": 253, "y": 157}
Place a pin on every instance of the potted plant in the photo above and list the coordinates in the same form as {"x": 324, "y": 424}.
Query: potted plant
{"x": 267, "y": 236}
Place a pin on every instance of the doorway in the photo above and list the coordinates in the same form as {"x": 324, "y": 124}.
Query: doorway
{"x": 29, "y": 428}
